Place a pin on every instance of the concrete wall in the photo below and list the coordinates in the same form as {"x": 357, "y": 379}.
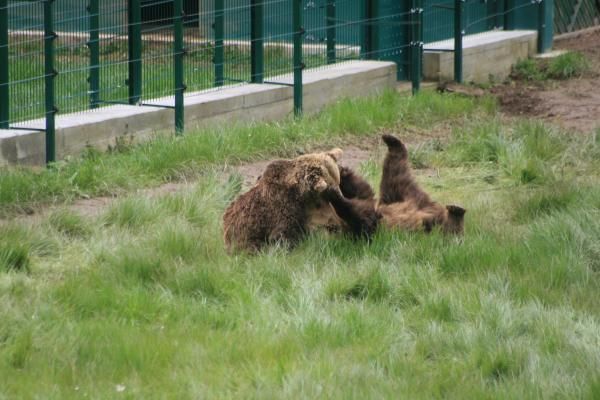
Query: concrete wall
{"x": 102, "y": 128}
{"x": 486, "y": 56}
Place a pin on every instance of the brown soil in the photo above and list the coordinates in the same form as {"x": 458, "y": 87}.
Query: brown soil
{"x": 93, "y": 207}
{"x": 573, "y": 104}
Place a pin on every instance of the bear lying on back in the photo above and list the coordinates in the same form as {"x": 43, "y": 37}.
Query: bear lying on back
{"x": 403, "y": 204}
{"x": 280, "y": 206}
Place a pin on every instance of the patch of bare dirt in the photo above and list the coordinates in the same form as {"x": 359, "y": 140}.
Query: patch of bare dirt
{"x": 573, "y": 104}
{"x": 356, "y": 151}
{"x": 93, "y": 207}
{"x": 250, "y": 172}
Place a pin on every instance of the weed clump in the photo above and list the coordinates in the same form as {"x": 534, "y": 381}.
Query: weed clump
{"x": 565, "y": 66}
{"x": 528, "y": 70}
{"x": 14, "y": 257}
{"x": 130, "y": 213}
{"x": 568, "y": 65}
{"x": 372, "y": 286}
{"x": 69, "y": 224}
{"x": 15, "y": 249}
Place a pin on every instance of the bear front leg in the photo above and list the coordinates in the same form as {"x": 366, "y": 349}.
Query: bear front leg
{"x": 359, "y": 215}
{"x": 354, "y": 186}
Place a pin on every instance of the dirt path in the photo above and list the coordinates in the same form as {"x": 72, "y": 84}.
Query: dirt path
{"x": 356, "y": 151}
{"x": 353, "y": 156}
{"x": 573, "y": 104}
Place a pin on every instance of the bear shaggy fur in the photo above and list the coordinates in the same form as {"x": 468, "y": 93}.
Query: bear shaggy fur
{"x": 286, "y": 198}
{"x": 349, "y": 208}
{"x": 403, "y": 204}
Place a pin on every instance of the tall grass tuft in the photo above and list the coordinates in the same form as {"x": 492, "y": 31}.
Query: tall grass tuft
{"x": 19, "y": 244}
{"x": 14, "y": 256}
{"x": 569, "y": 65}
{"x": 69, "y": 223}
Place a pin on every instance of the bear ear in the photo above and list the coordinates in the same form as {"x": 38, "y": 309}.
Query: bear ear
{"x": 456, "y": 211}
{"x": 336, "y": 153}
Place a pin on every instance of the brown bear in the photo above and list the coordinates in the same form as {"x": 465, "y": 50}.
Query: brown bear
{"x": 350, "y": 209}
{"x": 403, "y": 204}
{"x": 286, "y": 198}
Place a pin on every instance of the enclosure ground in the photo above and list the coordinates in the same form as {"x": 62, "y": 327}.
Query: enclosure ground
{"x": 118, "y": 285}
{"x": 572, "y": 104}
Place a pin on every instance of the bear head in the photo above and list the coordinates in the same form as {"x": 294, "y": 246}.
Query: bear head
{"x": 278, "y": 207}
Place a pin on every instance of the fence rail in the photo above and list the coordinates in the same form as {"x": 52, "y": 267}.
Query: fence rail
{"x": 65, "y": 56}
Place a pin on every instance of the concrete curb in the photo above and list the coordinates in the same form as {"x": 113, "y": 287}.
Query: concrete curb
{"x": 105, "y": 127}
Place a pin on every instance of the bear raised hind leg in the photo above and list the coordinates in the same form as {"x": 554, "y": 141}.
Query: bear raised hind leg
{"x": 397, "y": 183}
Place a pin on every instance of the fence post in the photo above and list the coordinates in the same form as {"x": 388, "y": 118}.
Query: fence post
{"x": 219, "y": 52}
{"x": 49, "y": 75}
{"x": 135, "y": 50}
{"x": 298, "y": 64}
{"x": 416, "y": 42}
{"x": 545, "y": 25}
{"x": 256, "y": 41}
{"x": 94, "y": 45}
{"x": 179, "y": 53}
{"x": 4, "y": 88}
{"x": 330, "y": 23}
{"x": 458, "y": 40}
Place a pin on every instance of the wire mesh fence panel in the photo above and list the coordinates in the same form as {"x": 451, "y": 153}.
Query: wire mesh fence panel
{"x": 112, "y": 52}
{"x": 522, "y": 14}
{"x": 393, "y": 38}
{"x": 477, "y": 16}
{"x": 438, "y": 20}
{"x": 572, "y": 15}
{"x": 156, "y": 49}
{"x": 236, "y": 58}
{"x": 277, "y": 38}
{"x": 200, "y": 47}
{"x": 347, "y": 25}
{"x": 333, "y": 32}
{"x": 71, "y": 56}
{"x": 25, "y": 64}
{"x": 314, "y": 46}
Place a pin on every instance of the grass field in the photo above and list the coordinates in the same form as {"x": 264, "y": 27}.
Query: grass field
{"x": 142, "y": 301}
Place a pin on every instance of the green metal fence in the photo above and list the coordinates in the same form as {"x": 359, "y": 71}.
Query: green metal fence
{"x": 573, "y": 15}
{"x": 64, "y": 56}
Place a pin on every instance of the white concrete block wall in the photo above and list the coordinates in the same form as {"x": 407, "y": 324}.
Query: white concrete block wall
{"x": 486, "y": 56}
{"x": 102, "y": 128}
